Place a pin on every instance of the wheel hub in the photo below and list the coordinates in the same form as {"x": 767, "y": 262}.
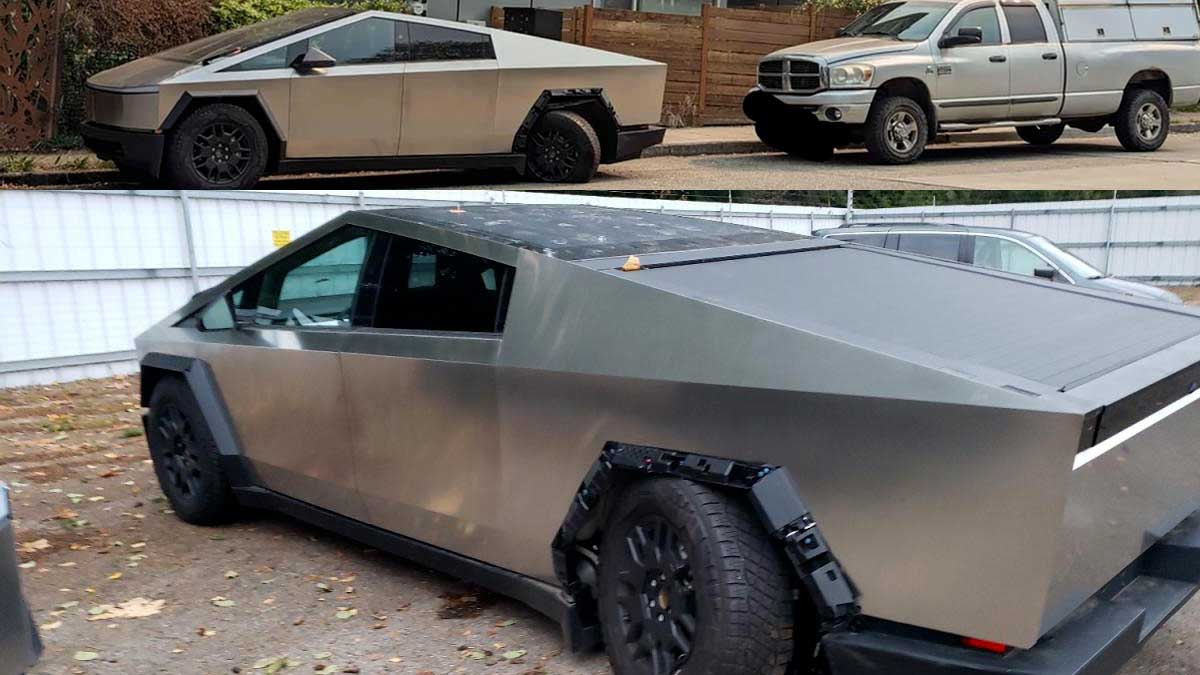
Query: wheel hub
{"x": 1149, "y": 121}
{"x": 657, "y": 599}
{"x": 553, "y": 156}
{"x": 221, "y": 152}
{"x": 901, "y": 131}
{"x": 180, "y": 461}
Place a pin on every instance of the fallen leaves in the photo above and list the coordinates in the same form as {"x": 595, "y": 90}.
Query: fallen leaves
{"x": 222, "y": 601}
{"x": 135, "y": 608}
{"x": 86, "y": 656}
{"x": 346, "y": 613}
{"x": 34, "y": 546}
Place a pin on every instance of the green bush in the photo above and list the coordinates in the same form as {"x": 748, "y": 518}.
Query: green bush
{"x": 228, "y": 14}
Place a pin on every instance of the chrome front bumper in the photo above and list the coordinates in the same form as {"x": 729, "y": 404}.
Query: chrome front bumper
{"x": 848, "y": 106}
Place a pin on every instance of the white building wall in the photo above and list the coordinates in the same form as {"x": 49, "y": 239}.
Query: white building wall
{"x": 82, "y": 273}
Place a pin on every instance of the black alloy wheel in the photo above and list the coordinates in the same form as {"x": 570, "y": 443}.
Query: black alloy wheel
{"x": 657, "y": 597}
{"x": 221, "y": 153}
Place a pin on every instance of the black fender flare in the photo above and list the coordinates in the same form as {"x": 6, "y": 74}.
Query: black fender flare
{"x": 203, "y": 383}
{"x": 772, "y": 492}
{"x": 593, "y": 104}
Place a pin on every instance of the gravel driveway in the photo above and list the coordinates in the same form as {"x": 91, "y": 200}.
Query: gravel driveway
{"x": 119, "y": 585}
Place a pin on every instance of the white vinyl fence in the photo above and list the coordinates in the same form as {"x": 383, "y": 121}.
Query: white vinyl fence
{"x": 83, "y": 272}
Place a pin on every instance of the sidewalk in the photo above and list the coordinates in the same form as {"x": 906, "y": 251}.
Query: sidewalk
{"x": 733, "y": 140}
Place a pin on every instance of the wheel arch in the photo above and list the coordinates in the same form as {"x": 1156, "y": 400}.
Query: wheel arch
{"x": 198, "y": 376}
{"x": 591, "y": 104}
{"x": 1153, "y": 79}
{"x": 915, "y": 89}
{"x": 251, "y": 101}
{"x": 771, "y": 492}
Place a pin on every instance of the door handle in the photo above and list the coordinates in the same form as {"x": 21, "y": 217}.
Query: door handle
{"x": 998, "y": 58}
{"x": 1050, "y": 56}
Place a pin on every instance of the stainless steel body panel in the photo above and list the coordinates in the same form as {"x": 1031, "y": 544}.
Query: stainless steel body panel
{"x": 322, "y": 124}
{"x": 450, "y": 108}
{"x": 938, "y": 461}
{"x": 406, "y": 108}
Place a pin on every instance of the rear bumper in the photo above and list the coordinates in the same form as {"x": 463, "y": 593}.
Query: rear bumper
{"x": 1103, "y": 634}
{"x": 631, "y": 141}
{"x": 139, "y": 150}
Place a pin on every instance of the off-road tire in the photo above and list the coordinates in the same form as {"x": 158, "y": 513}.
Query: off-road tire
{"x": 250, "y": 156}
{"x": 876, "y": 133}
{"x": 773, "y": 135}
{"x": 563, "y": 148}
{"x": 743, "y": 595}
{"x": 208, "y": 500}
{"x": 813, "y": 149}
{"x": 1041, "y": 134}
{"x": 1126, "y": 121}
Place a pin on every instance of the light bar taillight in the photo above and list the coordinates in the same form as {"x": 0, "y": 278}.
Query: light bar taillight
{"x": 985, "y": 645}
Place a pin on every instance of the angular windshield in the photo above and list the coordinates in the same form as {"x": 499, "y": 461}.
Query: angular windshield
{"x": 908, "y": 21}
{"x": 249, "y": 37}
{"x": 1074, "y": 266}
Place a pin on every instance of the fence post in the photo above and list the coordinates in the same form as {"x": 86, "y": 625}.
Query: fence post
{"x": 1108, "y": 237}
{"x": 705, "y": 18}
{"x": 589, "y": 15}
{"x": 812, "y": 22}
{"x": 186, "y": 205}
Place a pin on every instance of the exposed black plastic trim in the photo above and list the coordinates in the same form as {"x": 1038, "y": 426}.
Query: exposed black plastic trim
{"x": 770, "y": 489}
{"x": 545, "y": 598}
{"x": 631, "y": 141}
{"x": 141, "y": 150}
{"x": 500, "y": 160}
{"x": 558, "y": 99}
{"x": 1138, "y": 406}
{"x": 203, "y": 383}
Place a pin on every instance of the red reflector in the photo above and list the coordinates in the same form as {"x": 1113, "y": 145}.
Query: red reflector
{"x": 985, "y": 645}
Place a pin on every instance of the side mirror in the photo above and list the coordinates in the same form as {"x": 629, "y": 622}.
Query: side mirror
{"x": 1045, "y": 273}
{"x": 313, "y": 58}
{"x": 967, "y": 35}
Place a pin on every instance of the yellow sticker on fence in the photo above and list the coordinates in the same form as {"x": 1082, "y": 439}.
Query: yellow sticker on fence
{"x": 281, "y": 238}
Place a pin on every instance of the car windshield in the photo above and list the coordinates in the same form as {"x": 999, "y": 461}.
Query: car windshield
{"x": 239, "y": 40}
{"x": 1068, "y": 261}
{"x": 908, "y": 21}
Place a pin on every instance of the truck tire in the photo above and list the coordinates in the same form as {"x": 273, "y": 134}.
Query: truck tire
{"x": 687, "y": 575}
{"x": 218, "y": 146}
{"x": 896, "y": 131}
{"x": 773, "y": 135}
{"x": 802, "y": 140}
{"x": 563, "y": 148}
{"x": 1041, "y": 134}
{"x": 1143, "y": 120}
{"x": 185, "y": 456}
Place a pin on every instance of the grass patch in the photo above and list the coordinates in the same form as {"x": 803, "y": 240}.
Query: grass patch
{"x": 16, "y": 164}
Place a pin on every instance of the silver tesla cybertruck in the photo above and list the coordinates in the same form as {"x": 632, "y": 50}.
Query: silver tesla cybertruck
{"x": 712, "y": 448}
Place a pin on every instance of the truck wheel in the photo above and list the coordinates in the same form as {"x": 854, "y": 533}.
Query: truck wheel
{"x": 563, "y": 148}
{"x": 1042, "y": 134}
{"x": 774, "y": 135}
{"x": 818, "y": 149}
{"x": 687, "y": 575}
{"x": 218, "y": 146}
{"x": 896, "y": 131}
{"x": 185, "y": 456}
{"x": 1142, "y": 121}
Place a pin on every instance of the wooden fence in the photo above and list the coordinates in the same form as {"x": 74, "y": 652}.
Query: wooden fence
{"x": 711, "y": 59}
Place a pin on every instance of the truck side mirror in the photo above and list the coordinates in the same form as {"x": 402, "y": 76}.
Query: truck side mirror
{"x": 313, "y": 58}
{"x": 1045, "y": 273}
{"x": 967, "y": 35}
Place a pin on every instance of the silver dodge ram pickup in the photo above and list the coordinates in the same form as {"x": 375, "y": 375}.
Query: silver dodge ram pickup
{"x": 905, "y": 71}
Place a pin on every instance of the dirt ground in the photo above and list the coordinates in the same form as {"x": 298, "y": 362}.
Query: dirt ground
{"x": 100, "y": 547}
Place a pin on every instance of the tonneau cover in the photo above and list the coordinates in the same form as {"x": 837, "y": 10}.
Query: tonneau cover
{"x": 995, "y": 321}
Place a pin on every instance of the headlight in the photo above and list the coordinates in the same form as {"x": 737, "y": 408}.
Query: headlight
{"x": 851, "y": 75}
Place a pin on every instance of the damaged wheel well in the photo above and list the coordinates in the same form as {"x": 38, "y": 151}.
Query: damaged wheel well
{"x": 770, "y": 490}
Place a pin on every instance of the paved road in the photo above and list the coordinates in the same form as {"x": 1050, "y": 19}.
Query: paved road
{"x": 1094, "y": 162}
{"x": 1085, "y": 162}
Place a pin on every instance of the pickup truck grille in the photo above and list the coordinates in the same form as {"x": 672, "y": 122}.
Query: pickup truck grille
{"x": 790, "y": 75}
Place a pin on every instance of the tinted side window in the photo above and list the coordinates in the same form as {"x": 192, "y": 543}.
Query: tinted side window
{"x": 314, "y": 288}
{"x": 1006, "y": 256}
{"x": 435, "y": 43}
{"x": 427, "y": 287}
{"x": 1024, "y": 24}
{"x": 867, "y": 239}
{"x": 983, "y": 18}
{"x": 366, "y": 41}
{"x": 944, "y": 246}
{"x": 282, "y": 57}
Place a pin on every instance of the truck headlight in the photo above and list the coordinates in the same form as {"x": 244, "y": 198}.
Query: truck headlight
{"x": 851, "y": 75}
